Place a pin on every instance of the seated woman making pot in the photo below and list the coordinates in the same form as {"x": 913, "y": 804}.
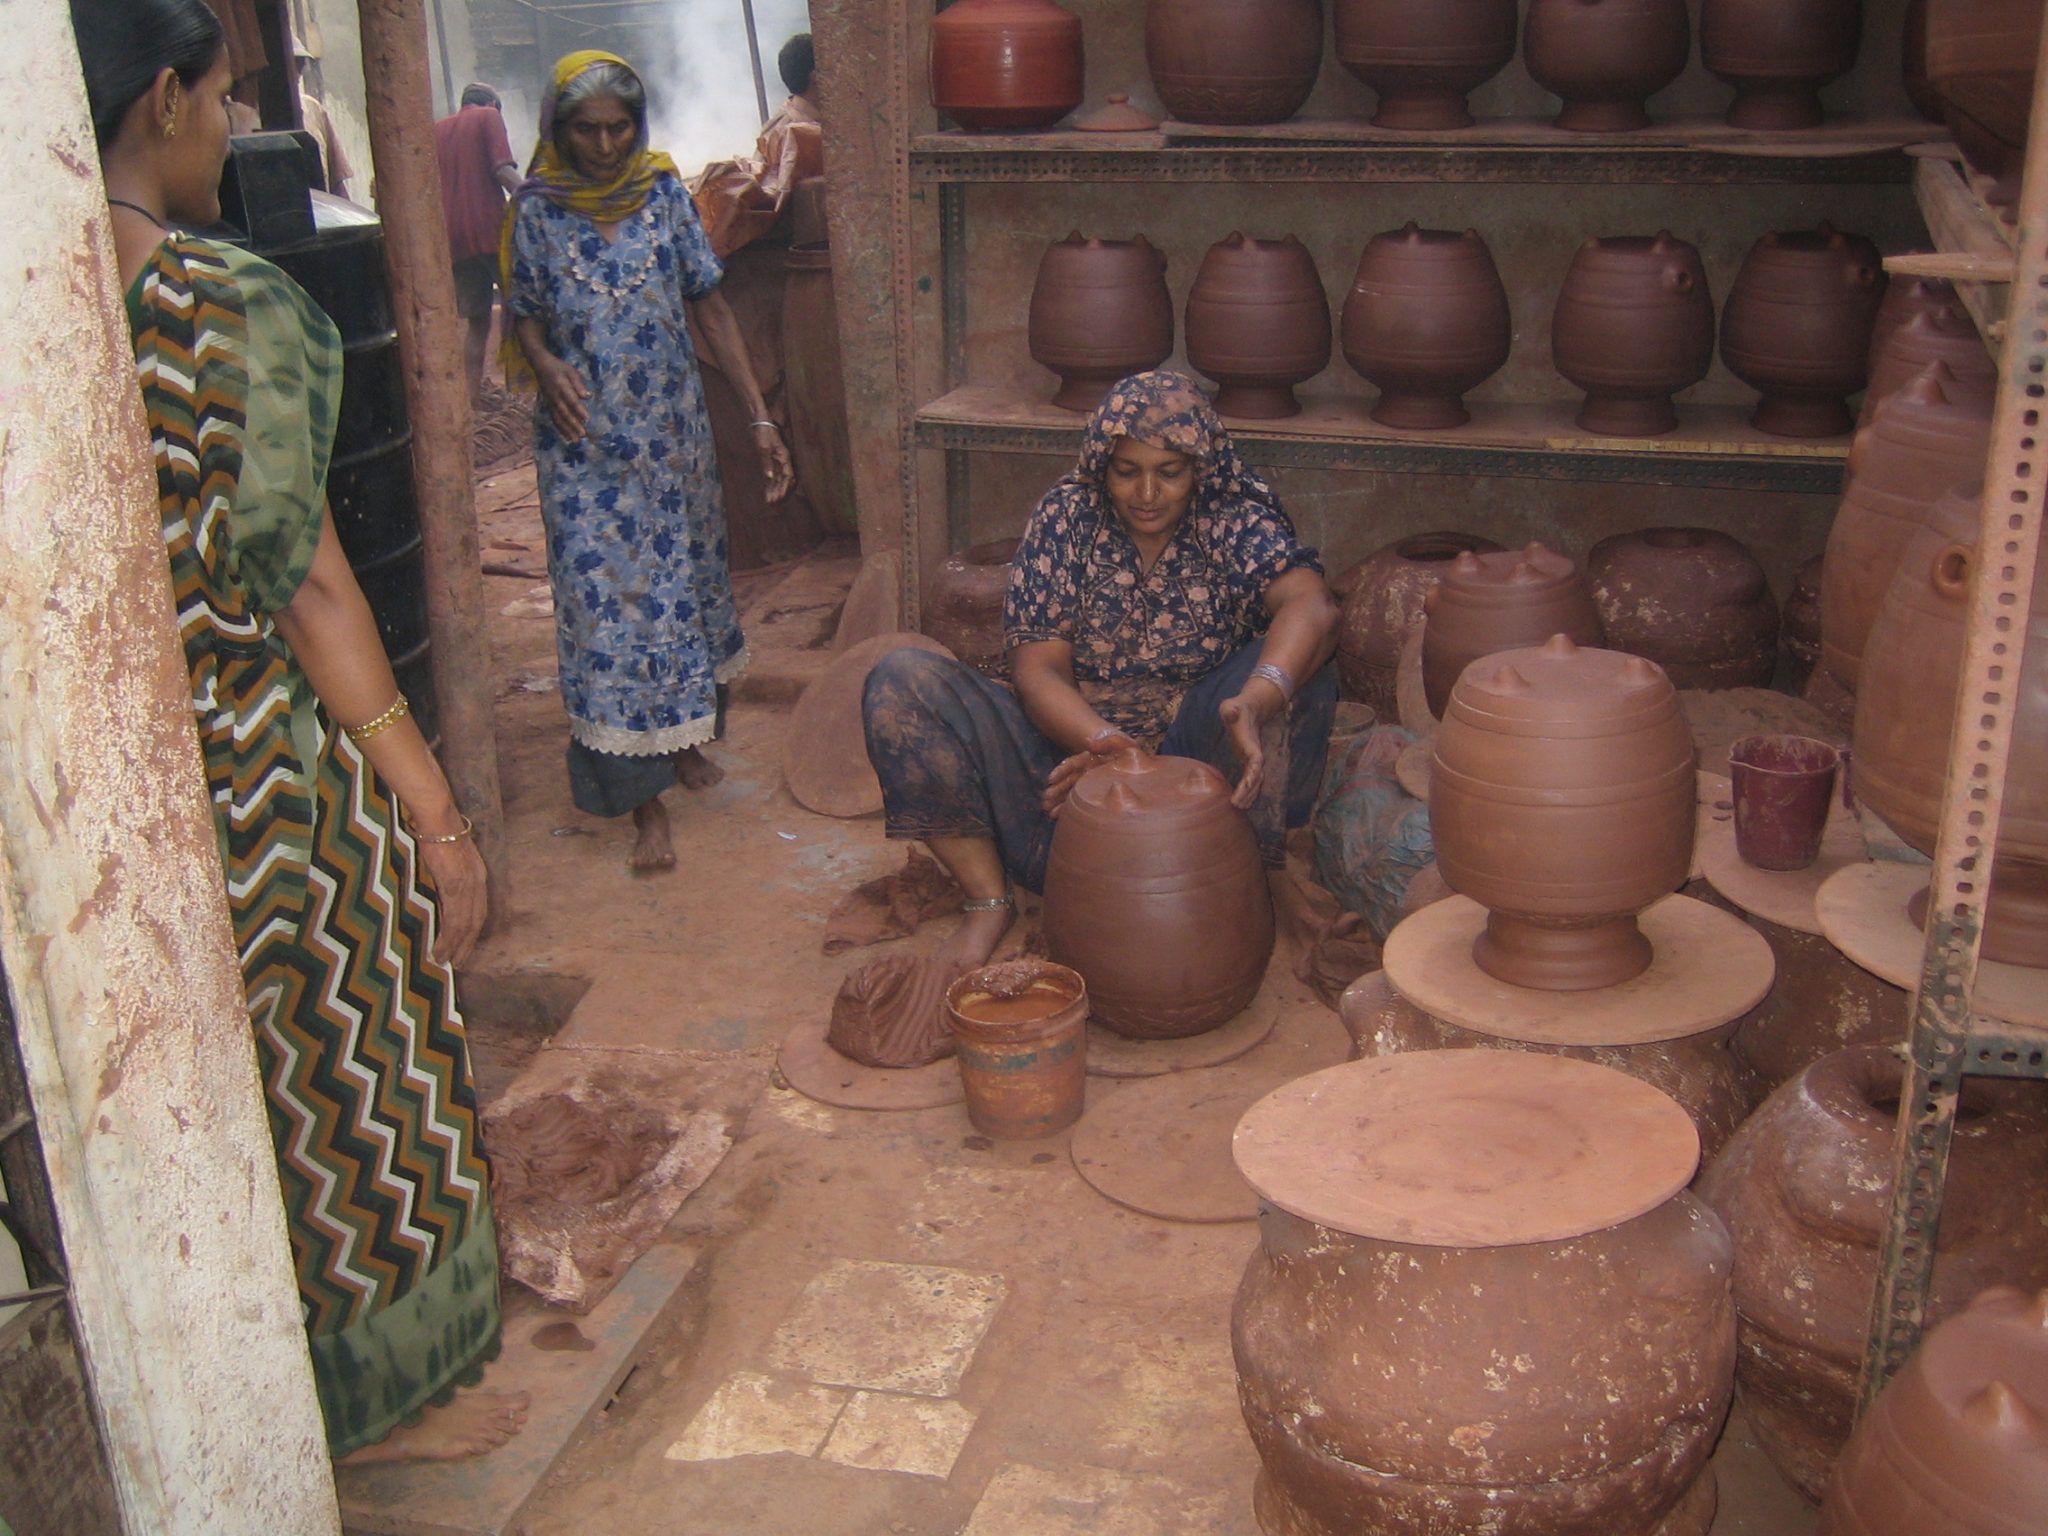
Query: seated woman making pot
{"x": 1160, "y": 600}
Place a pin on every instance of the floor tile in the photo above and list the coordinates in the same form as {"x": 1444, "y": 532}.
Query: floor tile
{"x": 886, "y": 1432}
{"x": 889, "y": 1327}
{"x": 756, "y": 1415}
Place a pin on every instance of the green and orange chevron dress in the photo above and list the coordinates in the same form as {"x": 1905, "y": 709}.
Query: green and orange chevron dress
{"x": 359, "y": 1043}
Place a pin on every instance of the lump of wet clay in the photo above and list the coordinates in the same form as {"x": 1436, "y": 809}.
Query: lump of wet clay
{"x": 891, "y": 1012}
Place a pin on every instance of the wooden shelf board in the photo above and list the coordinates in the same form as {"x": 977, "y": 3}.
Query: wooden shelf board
{"x": 1963, "y": 227}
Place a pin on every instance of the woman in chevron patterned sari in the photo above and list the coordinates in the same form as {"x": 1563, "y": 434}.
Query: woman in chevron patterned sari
{"x": 352, "y": 881}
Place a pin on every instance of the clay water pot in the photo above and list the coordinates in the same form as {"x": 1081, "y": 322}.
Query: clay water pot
{"x": 1799, "y": 630}
{"x": 1905, "y": 709}
{"x": 1693, "y": 600}
{"x": 1258, "y": 323}
{"x": 1383, "y": 602}
{"x": 1099, "y": 312}
{"x": 1905, "y": 297}
{"x": 1484, "y": 603}
{"x": 1423, "y": 56}
{"x": 1920, "y": 443}
{"x": 1796, "y": 327}
{"x": 1805, "y": 1188}
{"x": 997, "y": 64}
{"x": 1233, "y": 61}
{"x": 1944, "y": 334}
{"x": 1577, "y": 1326}
{"x": 1634, "y": 324}
{"x": 1427, "y": 319}
{"x": 1913, "y": 63}
{"x": 1605, "y": 57}
{"x": 964, "y": 609}
{"x": 1778, "y": 54}
{"x": 1980, "y": 57}
{"x": 1958, "y": 1442}
{"x": 1154, "y": 892}
{"x": 1562, "y": 800}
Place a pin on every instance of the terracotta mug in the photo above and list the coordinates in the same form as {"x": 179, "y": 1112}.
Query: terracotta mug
{"x": 1783, "y": 788}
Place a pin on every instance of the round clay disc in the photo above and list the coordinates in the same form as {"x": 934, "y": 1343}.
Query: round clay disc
{"x": 1863, "y": 914}
{"x": 1162, "y": 1146}
{"x": 1113, "y": 1055}
{"x": 825, "y": 753}
{"x": 815, "y": 1070}
{"x": 1784, "y": 897}
{"x": 1467, "y": 1148}
{"x": 1411, "y": 768}
{"x": 1707, "y": 967}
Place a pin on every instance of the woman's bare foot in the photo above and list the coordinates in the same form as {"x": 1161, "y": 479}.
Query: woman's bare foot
{"x": 472, "y": 1423}
{"x": 652, "y": 850}
{"x": 975, "y": 939}
{"x": 696, "y": 771}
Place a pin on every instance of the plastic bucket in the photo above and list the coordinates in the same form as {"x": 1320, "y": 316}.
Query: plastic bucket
{"x": 1022, "y": 1028}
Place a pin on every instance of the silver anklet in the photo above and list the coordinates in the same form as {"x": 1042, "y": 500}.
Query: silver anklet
{"x": 989, "y": 903}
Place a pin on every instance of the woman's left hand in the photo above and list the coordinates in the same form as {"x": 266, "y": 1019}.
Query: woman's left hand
{"x": 462, "y": 890}
{"x": 1244, "y": 714}
{"x": 775, "y": 466}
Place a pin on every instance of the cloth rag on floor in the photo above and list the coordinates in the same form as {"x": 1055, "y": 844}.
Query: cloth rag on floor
{"x": 893, "y": 906}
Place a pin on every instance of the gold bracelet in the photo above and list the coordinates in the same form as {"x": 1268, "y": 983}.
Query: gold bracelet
{"x": 468, "y": 827}
{"x": 400, "y": 708}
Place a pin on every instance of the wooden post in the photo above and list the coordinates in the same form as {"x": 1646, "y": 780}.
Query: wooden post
{"x": 399, "y": 99}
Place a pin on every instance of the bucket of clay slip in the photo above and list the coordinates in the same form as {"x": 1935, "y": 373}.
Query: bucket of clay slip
{"x": 1022, "y": 1026}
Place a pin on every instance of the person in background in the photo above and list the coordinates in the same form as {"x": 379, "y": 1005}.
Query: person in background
{"x": 740, "y": 200}
{"x": 334, "y": 166}
{"x": 477, "y": 173}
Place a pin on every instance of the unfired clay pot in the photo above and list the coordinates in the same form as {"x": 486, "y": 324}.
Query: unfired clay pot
{"x": 1423, "y": 56}
{"x": 1427, "y": 319}
{"x": 1382, "y": 603}
{"x": 1800, "y": 630}
{"x": 1820, "y": 1001}
{"x": 1905, "y": 297}
{"x": 1905, "y": 709}
{"x": 1693, "y": 600}
{"x": 1919, "y": 444}
{"x": 1796, "y": 327}
{"x": 1958, "y": 1442}
{"x": 1605, "y": 57}
{"x": 1258, "y": 323}
{"x": 1805, "y": 1188}
{"x": 1980, "y": 57}
{"x": 1944, "y": 334}
{"x": 1155, "y": 893}
{"x": 1484, "y": 603}
{"x": 1562, "y": 799}
{"x": 1005, "y": 63}
{"x": 1099, "y": 311}
{"x": 964, "y": 609}
{"x": 1634, "y": 324}
{"x": 1233, "y": 61}
{"x": 1778, "y": 54}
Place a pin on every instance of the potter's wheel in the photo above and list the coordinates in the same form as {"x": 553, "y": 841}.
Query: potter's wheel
{"x": 1467, "y": 1148}
{"x": 817, "y": 1071}
{"x": 1113, "y": 1055}
{"x": 1162, "y": 1146}
{"x": 1784, "y": 897}
{"x": 1707, "y": 967}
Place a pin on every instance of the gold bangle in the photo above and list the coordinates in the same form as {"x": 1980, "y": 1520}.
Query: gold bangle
{"x": 468, "y": 827}
{"x": 400, "y": 708}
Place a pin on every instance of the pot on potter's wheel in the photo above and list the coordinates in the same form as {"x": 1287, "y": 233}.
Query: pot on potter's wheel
{"x": 1605, "y": 57}
{"x": 1258, "y": 323}
{"x": 1805, "y": 1188}
{"x": 1233, "y": 61}
{"x": 998, "y": 64}
{"x": 1099, "y": 312}
{"x": 1563, "y": 799}
{"x": 1426, "y": 319}
{"x": 1634, "y": 324}
{"x": 964, "y": 611}
{"x": 1796, "y": 327}
{"x": 1494, "y": 602}
{"x": 1693, "y": 600}
{"x": 1381, "y": 604}
{"x": 1155, "y": 893}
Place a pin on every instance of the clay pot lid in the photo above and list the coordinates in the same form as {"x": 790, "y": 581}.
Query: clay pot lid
{"x": 1144, "y": 783}
{"x": 1116, "y": 115}
{"x": 1558, "y": 682}
{"x": 1984, "y": 1415}
{"x": 825, "y": 755}
{"x": 1467, "y": 1148}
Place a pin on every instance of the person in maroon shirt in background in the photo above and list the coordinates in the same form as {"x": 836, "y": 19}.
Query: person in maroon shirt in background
{"x": 477, "y": 170}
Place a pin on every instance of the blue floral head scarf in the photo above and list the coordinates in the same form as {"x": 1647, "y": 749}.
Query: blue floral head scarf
{"x": 1162, "y": 409}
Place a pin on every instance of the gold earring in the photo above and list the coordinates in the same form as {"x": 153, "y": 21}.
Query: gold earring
{"x": 171, "y": 109}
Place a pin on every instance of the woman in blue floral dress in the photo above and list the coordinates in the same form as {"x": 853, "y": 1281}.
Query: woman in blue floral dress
{"x": 604, "y": 257}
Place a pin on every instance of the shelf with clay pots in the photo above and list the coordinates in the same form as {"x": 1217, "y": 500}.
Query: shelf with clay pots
{"x": 1713, "y": 446}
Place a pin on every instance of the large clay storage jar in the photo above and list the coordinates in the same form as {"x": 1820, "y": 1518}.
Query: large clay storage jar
{"x": 1796, "y": 327}
{"x": 1481, "y": 1301}
{"x": 1384, "y": 601}
{"x": 1693, "y": 600}
{"x": 1155, "y": 893}
{"x": 1913, "y": 64}
{"x": 1905, "y": 709}
{"x": 1920, "y": 443}
{"x": 1805, "y": 1188}
{"x": 1778, "y": 54}
{"x": 1605, "y": 57}
{"x": 1958, "y": 1442}
{"x": 1905, "y": 297}
{"x": 999, "y": 64}
{"x": 1484, "y": 603}
{"x": 1634, "y": 324}
{"x": 1562, "y": 799}
{"x": 1099, "y": 312}
{"x": 964, "y": 609}
{"x": 1258, "y": 323}
{"x": 1427, "y": 319}
{"x": 1423, "y": 56}
{"x": 1233, "y": 61}
{"x": 1945, "y": 335}
{"x": 1980, "y": 57}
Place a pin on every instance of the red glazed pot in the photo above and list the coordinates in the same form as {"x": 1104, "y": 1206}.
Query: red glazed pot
{"x": 1099, "y": 312}
{"x": 1562, "y": 799}
{"x": 1945, "y": 335}
{"x": 1796, "y": 327}
{"x": 1423, "y": 56}
{"x": 1381, "y": 604}
{"x": 1805, "y": 1188}
{"x": 1605, "y": 57}
{"x": 998, "y": 64}
{"x": 1484, "y": 603}
{"x": 1233, "y": 61}
{"x": 1155, "y": 893}
{"x": 1980, "y": 57}
{"x": 1426, "y": 320}
{"x": 964, "y": 609}
{"x": 1905, "y": 297}
{"x": 1634, "y": 324}
{"x": 1690, "y": 599}
{"x": 1258, "y": 323}
{"x": 1778, "y": 54}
